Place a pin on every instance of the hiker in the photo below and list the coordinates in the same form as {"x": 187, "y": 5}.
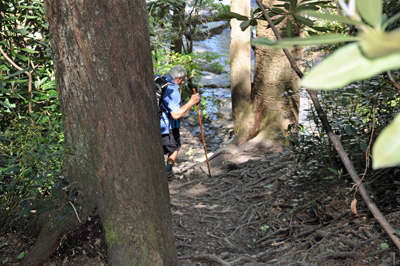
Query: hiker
{"x": 173, "y": 110}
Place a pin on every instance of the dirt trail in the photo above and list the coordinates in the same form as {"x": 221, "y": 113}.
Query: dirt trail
{"x": 251, "y": 212}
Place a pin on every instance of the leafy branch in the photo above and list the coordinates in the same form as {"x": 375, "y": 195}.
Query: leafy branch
{"x": 347, "y": 63}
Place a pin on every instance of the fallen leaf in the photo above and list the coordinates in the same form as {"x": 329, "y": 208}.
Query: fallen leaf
{"x": 353, "y": 206}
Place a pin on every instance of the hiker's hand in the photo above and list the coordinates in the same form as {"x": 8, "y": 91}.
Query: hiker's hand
{"x": 195, "y": 98}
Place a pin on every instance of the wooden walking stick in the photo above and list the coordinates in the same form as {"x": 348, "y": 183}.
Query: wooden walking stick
{"x": 202, "y": 134}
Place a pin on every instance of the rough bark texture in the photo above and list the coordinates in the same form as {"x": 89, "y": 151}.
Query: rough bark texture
{"x": 240, "y": 63}
{"x": 269, "y": 112}
{"x": 104, "y": 77}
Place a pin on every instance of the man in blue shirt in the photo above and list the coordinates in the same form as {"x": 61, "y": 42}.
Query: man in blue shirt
{"x": 173, "y": 110}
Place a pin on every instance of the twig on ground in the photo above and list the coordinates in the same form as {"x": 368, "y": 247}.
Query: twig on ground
{"x": 77, "y": 216}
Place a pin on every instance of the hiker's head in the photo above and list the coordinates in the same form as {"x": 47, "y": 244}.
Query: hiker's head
{"x": 177, "y": 73}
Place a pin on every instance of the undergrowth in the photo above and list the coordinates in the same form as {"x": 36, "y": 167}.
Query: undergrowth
{"x": 357, "y": 114}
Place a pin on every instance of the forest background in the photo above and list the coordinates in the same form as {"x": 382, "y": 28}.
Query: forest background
{"x": 31, "y": 122}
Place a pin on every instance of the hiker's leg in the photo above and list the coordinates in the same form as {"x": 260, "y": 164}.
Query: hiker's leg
{"x": 172, "y": 156}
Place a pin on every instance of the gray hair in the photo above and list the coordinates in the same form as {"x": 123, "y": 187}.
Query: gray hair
{"x": 177, "y": 71}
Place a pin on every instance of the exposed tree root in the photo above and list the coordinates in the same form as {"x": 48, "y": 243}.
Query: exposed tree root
{"x": 48, "y": 239}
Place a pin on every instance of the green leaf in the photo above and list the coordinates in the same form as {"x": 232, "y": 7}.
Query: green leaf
{"x": 9, "y": 18}
{"x": 278, "y": 20}
{"x": 364, "y": 147}
{"x": 18, "y": 72}
{"x": 332, "y": 17}
{"x": 333, "y": 171}
{"x": 56, "y": 193}
{"x": 306, "y": 7}
{"x": 386, "y": 149}
{"x": 231, "y": 15}
{"x": 30, "y": 7}
{"x": 384, "y": 245}
{"x": 378, "y": 44}
{"x": 62, "y": 216}
{"x": 293, "y": 3}
{"x": 338, "y": 123}
{"x": 350, "y": 130}
{"x": 278, "y": 10}
{"x": 264, "y": 227}
{"x": 303, "y": 20}
{"x": 347, "y": 65}
{"x": 21, "y": 256}
{"x": 322, "y": 29}
{"x": 22, "y": 57}
{"x": 245, "y": 24}
{"x": 44, "y": 209}
{"x": 30, "y": 17}
{"x": 7, "y": 105}
{"x": 289, "y": 28}
{"x": 371, "y": 11}
{"x": 52, "y": 93}
{"x": 287, "y": 6}
{"x": 24, "y": 212}
{"x": 391, "y": 20}
{"x": 318, "y": 39}
{"x": 29, "y": 50}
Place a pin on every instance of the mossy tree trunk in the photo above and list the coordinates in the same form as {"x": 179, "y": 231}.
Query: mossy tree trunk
{"x": 104, "y": 77}
{"x": 267, "y": 111}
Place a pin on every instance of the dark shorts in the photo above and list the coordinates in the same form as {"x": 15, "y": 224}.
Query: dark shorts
{"x": 171, "y": 142}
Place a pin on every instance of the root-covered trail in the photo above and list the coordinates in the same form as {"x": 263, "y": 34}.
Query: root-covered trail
{"x": 253, "y": 213}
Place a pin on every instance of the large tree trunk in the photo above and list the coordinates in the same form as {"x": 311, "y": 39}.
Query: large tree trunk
{"x": 240, "y": 65}
{"x": 104, "y": 77}
{"x": 268, "y": 111}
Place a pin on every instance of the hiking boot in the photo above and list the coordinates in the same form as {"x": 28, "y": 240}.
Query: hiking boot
{"x": 171, "y": 176}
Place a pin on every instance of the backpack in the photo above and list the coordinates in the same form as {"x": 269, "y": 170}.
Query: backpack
{"x": 161, "y": 86}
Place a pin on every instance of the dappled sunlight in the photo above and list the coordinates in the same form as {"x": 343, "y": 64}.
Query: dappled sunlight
{"x": 196, "y": 191}
{"x": 203, "y": 205}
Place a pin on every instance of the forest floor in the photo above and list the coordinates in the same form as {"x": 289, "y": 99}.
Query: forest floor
{"x": 250, "y": 211}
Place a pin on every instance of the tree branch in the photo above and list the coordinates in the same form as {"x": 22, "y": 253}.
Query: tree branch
{"x": 395, "y": 84}
{"x": 27, "y": 73}
{"x": 335, "y": 140}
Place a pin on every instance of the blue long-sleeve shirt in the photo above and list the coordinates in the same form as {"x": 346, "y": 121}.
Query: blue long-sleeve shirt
{"x": 172, "y": 102}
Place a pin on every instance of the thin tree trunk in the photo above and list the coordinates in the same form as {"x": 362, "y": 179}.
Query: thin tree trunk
{"x": 179, "y": 9}
{"x": 240, "y": 64}
{"x": 104, "y": 77}
{"x": 268, "y": 112}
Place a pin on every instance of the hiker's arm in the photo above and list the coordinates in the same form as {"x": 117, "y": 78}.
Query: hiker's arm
{"x": 181, "y": 112}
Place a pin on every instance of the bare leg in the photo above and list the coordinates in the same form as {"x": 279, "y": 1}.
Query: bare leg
{"x": 172, "y": 156}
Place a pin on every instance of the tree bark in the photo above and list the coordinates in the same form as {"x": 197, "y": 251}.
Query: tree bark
{"x": 240, "y": 64}
{"x": 268, "y": 112}
{"x": 179, "y": 10}
{"x": 104, "y": 77}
